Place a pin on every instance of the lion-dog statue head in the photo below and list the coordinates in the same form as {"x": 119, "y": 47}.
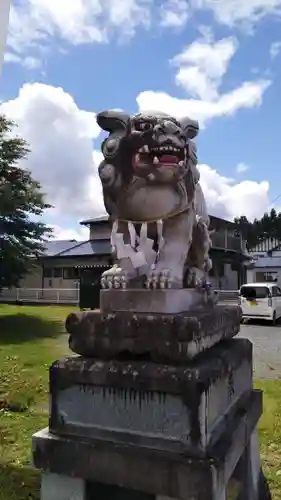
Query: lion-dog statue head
{"x": 145, "y": 155}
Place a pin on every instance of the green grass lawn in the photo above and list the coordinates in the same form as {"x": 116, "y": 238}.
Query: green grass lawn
{"x": 31, "y": 338}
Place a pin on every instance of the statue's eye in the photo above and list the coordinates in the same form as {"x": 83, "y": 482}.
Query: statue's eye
{"x": 145, "y": 126}
{"x": 110, "y": 146}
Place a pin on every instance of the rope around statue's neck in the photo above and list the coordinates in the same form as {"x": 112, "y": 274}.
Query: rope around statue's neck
{"x": 152, "y": 221}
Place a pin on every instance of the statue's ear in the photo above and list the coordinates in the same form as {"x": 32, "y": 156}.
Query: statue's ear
{"x": 190, "y": 127}
{"x": 113, "y": 121}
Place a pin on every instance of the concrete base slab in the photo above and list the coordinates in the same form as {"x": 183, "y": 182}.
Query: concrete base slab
{"x": 152, "y": 301}
{"x": 57, "y": 487}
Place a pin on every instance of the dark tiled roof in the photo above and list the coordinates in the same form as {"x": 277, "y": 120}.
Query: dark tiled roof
{"x": 91, "y": 247}
{"x": 55, "y": 247}
{"x": 95, "y": 220}
{"x": 105, "y": 218}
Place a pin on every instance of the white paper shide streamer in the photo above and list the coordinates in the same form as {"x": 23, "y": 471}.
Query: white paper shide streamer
{"x": 140, "y": 249}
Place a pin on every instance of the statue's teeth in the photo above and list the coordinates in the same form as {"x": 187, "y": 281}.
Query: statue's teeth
{"x": 155, "y": 160}
{"x": 144, "y": 149}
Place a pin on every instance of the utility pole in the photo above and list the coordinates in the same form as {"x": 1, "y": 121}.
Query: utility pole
{"x": 4, "y": 22}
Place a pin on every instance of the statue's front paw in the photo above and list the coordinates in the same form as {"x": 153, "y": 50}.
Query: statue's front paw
{"x": 195, "y": 277}
{"x": 116, "y": 277}
{"x": 159, "y": 279}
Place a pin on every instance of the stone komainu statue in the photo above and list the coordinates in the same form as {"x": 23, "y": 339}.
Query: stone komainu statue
{"x": 151, "y": 191}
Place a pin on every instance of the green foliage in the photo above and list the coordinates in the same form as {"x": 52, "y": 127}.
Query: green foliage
{"x": 21, "y": 203}
{"x": 270, "y": 434}
{"x": 269, "y": 226}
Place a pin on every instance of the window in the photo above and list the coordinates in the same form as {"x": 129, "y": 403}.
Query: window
{"x": 57, "y": 272}
{"x": 70, "y": 273}
{"x": 254, "y": 292}
{"x": 266, "y": 276}
{"x": 48, "y": 272}
{"x": 276, "y": 292}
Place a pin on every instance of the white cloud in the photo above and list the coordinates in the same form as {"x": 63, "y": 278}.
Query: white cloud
{"x": 61, "y": 141}
{"x": 248, "y": 96}
{"x": 26, "y": 61}
{"x": 202, "y": 65}
{"x": 37, "y": 25}
{"x": 62, "y": 233}
{"x": 227, "y": 199}
{"x": 64, "y": 160}
{"x": 200, "y": 70}
{"x": 174, "y": 13}
{"x": 34, "y": 23}
{"x": 241, "y": 168}
{"x": 235, "y": 12}
{"x": 275, "y": 49}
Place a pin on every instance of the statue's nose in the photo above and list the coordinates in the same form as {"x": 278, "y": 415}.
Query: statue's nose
{"x": 170, "y": 127}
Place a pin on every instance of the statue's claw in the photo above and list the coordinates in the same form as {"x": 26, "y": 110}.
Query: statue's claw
{"x": 195, "y": 277}
{"x": 159, "y": 279}
{"x": 116, "y": 278}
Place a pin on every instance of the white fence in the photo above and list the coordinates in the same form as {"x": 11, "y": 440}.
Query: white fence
{"x": 41, "y": 295}
{"x": 71, "y": 295}
{"x": 228, "y": 295}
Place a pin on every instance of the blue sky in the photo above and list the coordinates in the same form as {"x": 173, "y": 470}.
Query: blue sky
{"x": 218, "y": 61}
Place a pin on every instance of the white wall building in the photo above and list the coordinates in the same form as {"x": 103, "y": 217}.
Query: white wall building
{"x": 266, "y": 262}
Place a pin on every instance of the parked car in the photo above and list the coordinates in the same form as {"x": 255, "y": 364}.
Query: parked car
{"x": 260, "y": 301}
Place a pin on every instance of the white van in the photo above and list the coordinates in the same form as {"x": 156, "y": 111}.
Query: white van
{"x": 260, "y": 301}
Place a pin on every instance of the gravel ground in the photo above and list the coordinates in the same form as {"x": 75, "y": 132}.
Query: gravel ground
{"x": 266, "y": 340}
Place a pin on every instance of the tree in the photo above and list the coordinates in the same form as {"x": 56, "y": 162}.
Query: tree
{"x": 269, "y": 226}
{"x": 22, "y": 235}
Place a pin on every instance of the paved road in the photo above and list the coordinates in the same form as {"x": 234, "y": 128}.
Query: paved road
{"x": 267, "y": 348}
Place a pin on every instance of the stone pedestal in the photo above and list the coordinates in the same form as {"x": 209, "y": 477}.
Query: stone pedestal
{"x": 164, "y": 301}
{"x": 158, "y": 406}
{"x": 161, "y": 406}
{"x": 167, "y": 338}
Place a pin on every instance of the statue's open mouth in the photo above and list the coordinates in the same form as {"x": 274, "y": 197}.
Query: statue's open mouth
{"x": 160, "y": 155}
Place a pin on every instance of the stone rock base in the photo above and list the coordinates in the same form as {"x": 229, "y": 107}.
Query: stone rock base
{"x": 183, "y": 407}
{"x": 162, "y": 338}
{"x": 153, "y": 473}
